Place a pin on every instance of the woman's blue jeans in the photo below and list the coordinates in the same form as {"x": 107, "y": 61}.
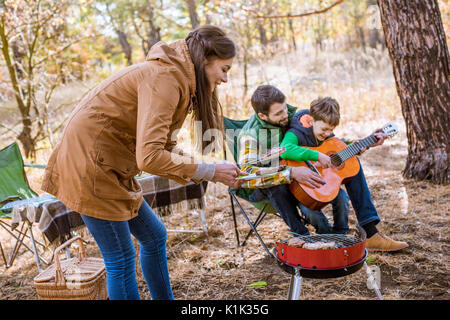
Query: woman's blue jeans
{"x": 117, "y": 248}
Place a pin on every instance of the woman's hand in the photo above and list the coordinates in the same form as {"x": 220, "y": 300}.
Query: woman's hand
{"x": 226, "y": 173}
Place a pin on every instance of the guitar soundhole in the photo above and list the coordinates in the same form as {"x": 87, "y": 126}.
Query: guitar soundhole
{"x": 336, "y": 161}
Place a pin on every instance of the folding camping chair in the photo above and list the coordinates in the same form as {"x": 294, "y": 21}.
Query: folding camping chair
{"x": 14, "y": 186}
{"x": 232, "y": 127}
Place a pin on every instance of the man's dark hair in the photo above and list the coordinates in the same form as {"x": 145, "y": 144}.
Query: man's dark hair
{"x": 264, "y": 96}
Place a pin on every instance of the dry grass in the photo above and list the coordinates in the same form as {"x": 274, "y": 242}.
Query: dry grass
{"x": 212, "y": 267}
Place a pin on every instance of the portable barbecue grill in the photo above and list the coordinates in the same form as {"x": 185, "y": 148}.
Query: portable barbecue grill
{"x": 348, "y": 256}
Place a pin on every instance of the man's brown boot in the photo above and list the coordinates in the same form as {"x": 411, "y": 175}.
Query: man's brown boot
{"x": 380, "y": 242}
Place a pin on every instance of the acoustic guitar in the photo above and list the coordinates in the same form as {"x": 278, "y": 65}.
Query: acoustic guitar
{"x": 343, "y": 157}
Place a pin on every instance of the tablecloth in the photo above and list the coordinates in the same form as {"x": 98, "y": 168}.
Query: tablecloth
{"x": 56, "y": 221}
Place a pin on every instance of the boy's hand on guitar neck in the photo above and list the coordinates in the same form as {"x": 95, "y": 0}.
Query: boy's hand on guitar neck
{"x": 380, "y": 140}
{"x": 307, "y": 177}
{"x": 380, "y": 137}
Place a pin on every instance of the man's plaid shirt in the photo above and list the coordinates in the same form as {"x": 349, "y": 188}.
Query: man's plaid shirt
{"x": 249, "y": 154}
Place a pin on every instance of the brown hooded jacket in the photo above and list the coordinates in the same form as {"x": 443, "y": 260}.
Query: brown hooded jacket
{"x": 121, "y": 127}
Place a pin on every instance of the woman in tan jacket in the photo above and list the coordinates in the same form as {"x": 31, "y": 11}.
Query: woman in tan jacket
{"x": 124, "y": 126}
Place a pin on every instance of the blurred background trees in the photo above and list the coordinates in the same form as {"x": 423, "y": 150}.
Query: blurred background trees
{"x": 44, "y": 44}
{"x": 54, "y": 51}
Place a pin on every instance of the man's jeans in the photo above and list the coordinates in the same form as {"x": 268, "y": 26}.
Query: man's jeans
{"x": 117, "y": 248}
{"x": 286, "y": 204}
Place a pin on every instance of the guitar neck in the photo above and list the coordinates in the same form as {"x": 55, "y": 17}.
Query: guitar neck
{"x": 354, "y": 149}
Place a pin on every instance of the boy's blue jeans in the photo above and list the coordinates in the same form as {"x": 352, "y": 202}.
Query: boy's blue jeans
{"x": 359, "y": 193}
{"x": 341, "y": 208}
{"x": 116, "y": 246}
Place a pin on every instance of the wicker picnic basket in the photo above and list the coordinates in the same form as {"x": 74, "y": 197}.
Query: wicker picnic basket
{"x": 78, "y": 278}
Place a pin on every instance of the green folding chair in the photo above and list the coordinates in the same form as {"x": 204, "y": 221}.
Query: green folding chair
{"x": 232, "y": 128}
{"x": 14, "y": 186}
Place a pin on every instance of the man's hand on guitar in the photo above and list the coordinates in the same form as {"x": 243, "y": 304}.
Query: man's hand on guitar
{"x": 307, "y": 177}
{"x": 325, "y": 160}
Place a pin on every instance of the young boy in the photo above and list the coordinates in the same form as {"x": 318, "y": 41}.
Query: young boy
{"x": 306, "y": 131}
{"x": 310, "y": 128}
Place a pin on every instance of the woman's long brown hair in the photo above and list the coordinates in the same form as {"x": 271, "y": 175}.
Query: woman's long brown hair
{"x": 208, "y": 42}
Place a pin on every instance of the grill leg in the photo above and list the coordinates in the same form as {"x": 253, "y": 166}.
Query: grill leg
{"x": 295, "y": 286}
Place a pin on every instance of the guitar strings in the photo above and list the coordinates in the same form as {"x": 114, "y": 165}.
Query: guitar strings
{"x": 353, "y": 149}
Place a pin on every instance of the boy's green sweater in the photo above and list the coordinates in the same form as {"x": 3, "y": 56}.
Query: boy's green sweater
{"x": 294, "y": 151}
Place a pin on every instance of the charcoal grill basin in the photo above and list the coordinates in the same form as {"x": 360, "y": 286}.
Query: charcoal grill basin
{"x": 321, "y": 273}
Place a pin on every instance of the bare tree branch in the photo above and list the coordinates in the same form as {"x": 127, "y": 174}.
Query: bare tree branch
{"x": 299, "y": 15}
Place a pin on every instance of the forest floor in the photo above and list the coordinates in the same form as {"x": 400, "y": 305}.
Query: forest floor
{"x": 212, "y": 267}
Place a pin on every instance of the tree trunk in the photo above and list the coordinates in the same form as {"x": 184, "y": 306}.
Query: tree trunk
{"x": 374, "y": 38}
{"x": 18, "y": 57}
{"x": 25, "y": 138}
{"x": 126, "y": 47}
{"x": 262, "y": 33}
{"x": 416, "y": 41}
{"x": 291, "y": 29}
{"x": 362, "y": 38}
{"x": 154, "y": 32}
{"x": 195, "y": 21}
{"x": 245, "y": 73}
{"x": 25, "y": 135}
